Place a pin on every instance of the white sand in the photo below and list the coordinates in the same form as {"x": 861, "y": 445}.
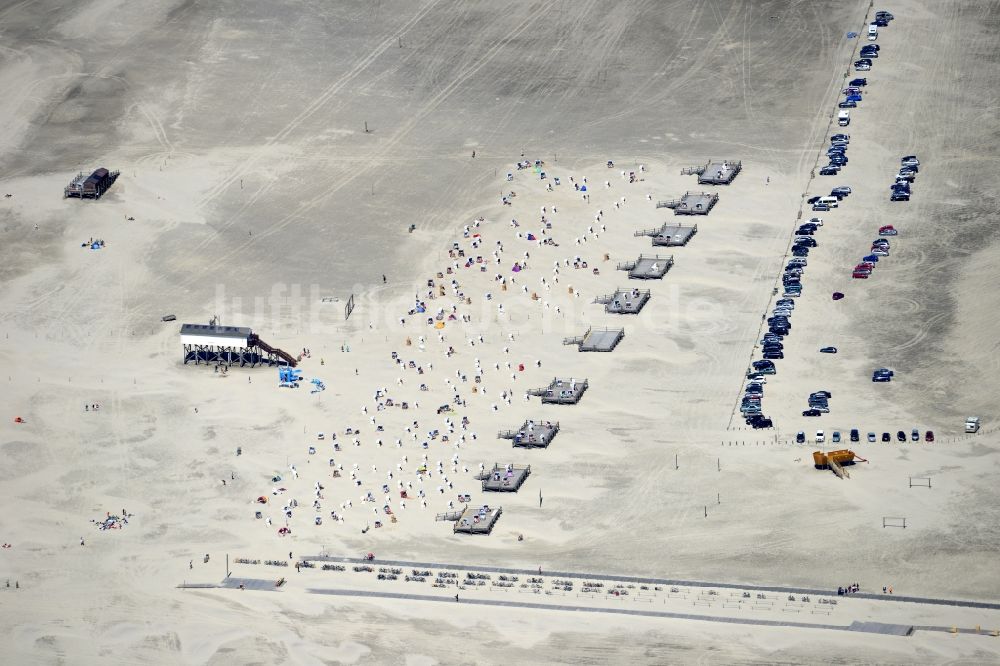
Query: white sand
{"x": 255, "y": 210}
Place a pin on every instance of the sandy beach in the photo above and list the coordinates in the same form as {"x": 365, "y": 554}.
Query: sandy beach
{"x": 474, "y": 183}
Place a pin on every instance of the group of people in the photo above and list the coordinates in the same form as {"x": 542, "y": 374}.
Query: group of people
{"x": 450, "y": 298}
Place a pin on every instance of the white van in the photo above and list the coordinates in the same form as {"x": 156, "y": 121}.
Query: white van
{"x": 844, "y": 118}
{"x": 872, "y": 32}
{"x": 832, "y": 202}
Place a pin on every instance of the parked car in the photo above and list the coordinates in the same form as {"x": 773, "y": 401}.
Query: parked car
{"x": 871, "y": 437}
{"x": 860, "y": 275}
{"x": 836, "y": 437}
{"x": 900, "y": 435}
{"x": 837, "y": 295}
{"x": 853, "y": 97}
{"x": 915, "y": 435}
{"x": 882, "y": 375}
{"x": 886, "y": 437}
{"x": 873, "y": 258}
{"x": 879, "y": 252}
{"x": 808, "y": 241}
{"x": 841, "y": 136}
{"x": 813, "y": 200}
{"x": 812, "y": 412}
{"x": 887, "y": 230}
{"x": 799, "y": 261}
{"x": 828, "y": 350}
{"x": 828, "y": 170}
{"x": 862, "y": 67}
{"x": 775, "y": 354}
{"x": 820, "y": 437}
{"x": 884, "y": 15}
{"x": 785, "y": 301}
{"x": 899, "y": 196}
{"x": 800, "y": 437}
{"x": 820, "y": 394}
{"x": 910, "y": 161}
{"x": 855, "y": 435}
{"x": 842, "y": 189}
{"x": 868, "y": 54}
{"x": 861, "y": 82}
{"x": 929, "y": 436}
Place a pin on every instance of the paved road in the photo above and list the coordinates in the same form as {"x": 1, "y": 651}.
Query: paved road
{"x": 655, "y": 581}
{"x": 866, "y": 627}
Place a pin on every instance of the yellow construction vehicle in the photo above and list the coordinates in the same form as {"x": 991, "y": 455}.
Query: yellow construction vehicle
{"x": 836, "y": 460}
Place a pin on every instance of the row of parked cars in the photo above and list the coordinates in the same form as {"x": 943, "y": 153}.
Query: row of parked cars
{"x": 836, "y": 153}
{"x": 870, "y": 51}
{"x": 819, "y": 403}
{"x": 855, "y": 436}
{"x": 909, "y": 165}
{"x": 879, "y": 250}
{"x": 779, "y": 323}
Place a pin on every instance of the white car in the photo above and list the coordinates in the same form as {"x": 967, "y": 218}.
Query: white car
{"x": 820, "y": 437}
{"x": 818, "y": 221}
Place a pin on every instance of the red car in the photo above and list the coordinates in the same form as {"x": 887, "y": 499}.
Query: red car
{"x": 863, "y": 267}
{"x": 887, "y": 230}
{"x": 929, "y": 436}
{"x": 863, "y": 275}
